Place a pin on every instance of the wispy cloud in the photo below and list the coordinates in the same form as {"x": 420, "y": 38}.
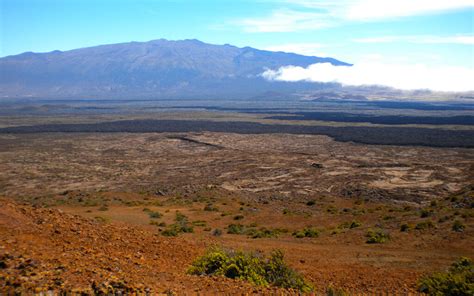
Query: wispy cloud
{"x": 420, "y": 39}
{"x": 440, "y": 78}
{"x": 383, "y": 9}
{"x": 304, "y": 15}
{"x": 285, "y": 20}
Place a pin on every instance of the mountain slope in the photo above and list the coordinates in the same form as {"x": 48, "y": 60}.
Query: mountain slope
{"x": 158, "y": 67}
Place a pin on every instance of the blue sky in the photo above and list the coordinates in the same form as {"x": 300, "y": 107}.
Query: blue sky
{"x": 431, "y": 32}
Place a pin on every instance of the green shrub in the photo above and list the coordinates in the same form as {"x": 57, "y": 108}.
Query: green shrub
{"x": 458, "y": 226}
{"x": 210, "y": 208}
{"x": 377, "y": 236}
{"x": 331, "y": 291}
{"x": 249, "y": 267}
{"x": 424, "y": 225}
{"x": 262, "y": 233}
{"x": 458, "y": 280}
{"x": 252, "y": 232}
{"x": 217, "y": 232}
{"x": 238, "y": 217}
{"x": 236, "y": 229}
{"x": 103, "y": 208}
{"x": 182, "y": 225}
{"x": 154, "y": 215}
{"x": 101, "y": 219}
{"x": 350, "y": 225}
{"x": 200, "y": 223}
{"x": 444, "y": 219}
{"x": 306, "y": 232}
{"x": 426, "y": 213}
{"x": 404, "y": 227}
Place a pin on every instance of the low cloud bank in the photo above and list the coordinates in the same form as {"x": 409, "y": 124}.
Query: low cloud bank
{"x": 408, "y": 77}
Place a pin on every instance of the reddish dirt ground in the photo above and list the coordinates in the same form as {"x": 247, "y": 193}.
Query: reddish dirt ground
{"x": 75, "y": 213}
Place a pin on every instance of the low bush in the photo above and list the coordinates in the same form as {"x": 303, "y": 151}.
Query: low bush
{"x": 238, "y": 217}
{"x": 210, "y": 208}
{"x": 154, "y": 215}
{"x": 311, "y": 203}
{"x": 262, "y": 233}
{"x": 377, "y": 236}
{"x": 181, "y": 225}
{"x": 252, "y": 231}
{"x": 101, "y": 219}
{"x": 444, "y": 219}
{"x": 249, "y": 267}
{"x": 103, "y": 208}
{"x": 404, "y": 227}
{"x": 331, "y": 291}
{"x": 426, "y": 213}
{"x": 458, "y": 226}
{"x": 200, "y": 223}
{"x": 217, "y": 232}
{"x": 458, "y": 280}
{"x": 306, "y": 232}
{"x": 350, "y": 225}
{"x": 236, "y": 229}
{"x": 424, "y": 225}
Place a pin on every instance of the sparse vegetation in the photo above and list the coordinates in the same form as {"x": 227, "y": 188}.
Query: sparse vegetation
{"x": 103, "y": 208}
{"x": 306, "y": 232}
{"x": 236, "y": 229}
{"x": 424, "y": 225}
{"x": 252, "y": 231}
{"x": 350, "y": 225}
{"x": 199, "y": 223}
{"x": 262, "y": 233}
{"x": 425, "y": 213}
{"x": 181, "y": 225}
{"x": 332, "y": 291}
{"x": 211, "y": 208}
{"x": 377, "y": 236}
{"x": 457, "y": 281}
{"x": 249, "y": 267}
{"x": 458, "y": 226}
{"x": 155, "y": 215}
{"x": 405, "y": 227}
{"x": 217, "y": 232}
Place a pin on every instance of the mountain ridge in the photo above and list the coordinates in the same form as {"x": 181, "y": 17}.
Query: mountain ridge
{"x": 158, "y": 67}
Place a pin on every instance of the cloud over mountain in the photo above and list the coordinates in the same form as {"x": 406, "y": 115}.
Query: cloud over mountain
{"x": 414, "y": 76}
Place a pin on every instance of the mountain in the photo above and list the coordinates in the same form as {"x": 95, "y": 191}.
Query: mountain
{"x": 157, "y": 68}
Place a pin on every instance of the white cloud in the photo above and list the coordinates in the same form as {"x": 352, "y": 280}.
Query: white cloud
{"x": 319, "y": 14}
{"x": 285, "y": 20}
{"x": 421, "y": 39}
{"x": 383, "y": 9}
{"x": 309, "y": 49}
{"x": 440, "y": 78}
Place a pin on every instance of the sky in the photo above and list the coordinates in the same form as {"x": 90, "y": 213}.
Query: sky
{"x": 425, "y": 37}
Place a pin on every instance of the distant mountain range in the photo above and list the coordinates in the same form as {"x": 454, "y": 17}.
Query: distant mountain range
{"x": 158, "y": 68}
